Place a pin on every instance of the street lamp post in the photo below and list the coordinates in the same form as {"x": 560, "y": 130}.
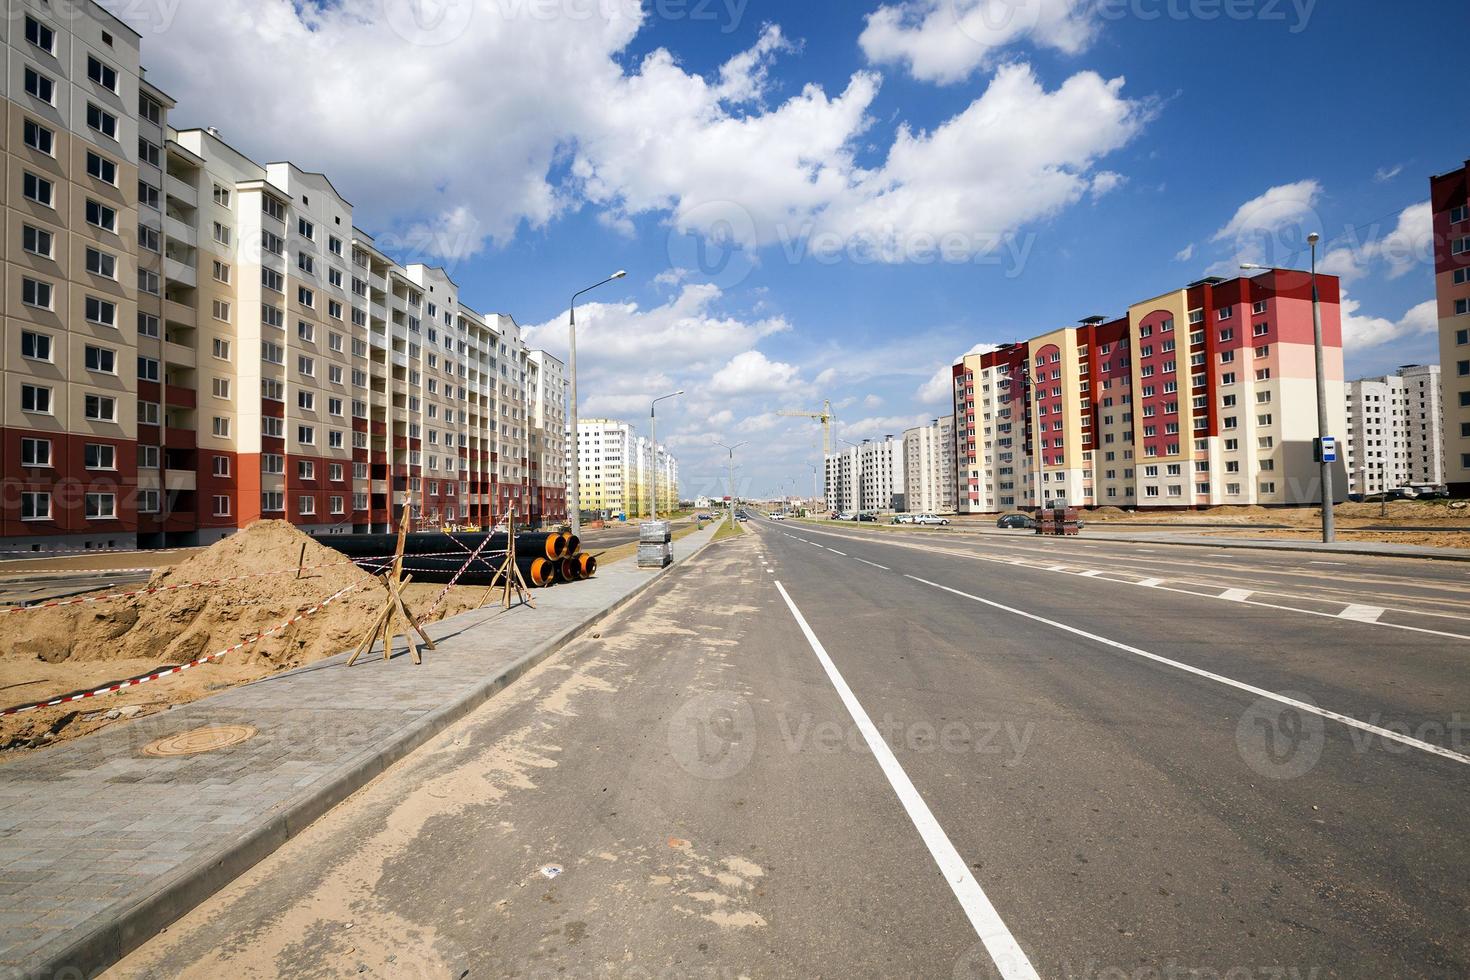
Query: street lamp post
{"x": 1329, "y": 533}
{"x": 653, "y": 434}
{"x": 731, "y": 451}
{"x": 574, "y": 502}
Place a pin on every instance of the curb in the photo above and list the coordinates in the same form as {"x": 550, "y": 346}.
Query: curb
{"x": 1267, "y": 545}
{"x": 105, "y": 944}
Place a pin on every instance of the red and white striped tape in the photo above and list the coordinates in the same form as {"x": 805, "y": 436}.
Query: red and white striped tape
{"x": 114, "y": 596}
{"x": 117, "y": 686}
{"x": 455, "y": 578}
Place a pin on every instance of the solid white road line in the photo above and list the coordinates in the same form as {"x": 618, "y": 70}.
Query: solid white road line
{"x": 874, "y": 564}
{"x": 1010, "y": 960}
{"x": 1261, "y": 692}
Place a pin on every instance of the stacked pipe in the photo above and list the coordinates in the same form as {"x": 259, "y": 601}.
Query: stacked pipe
{"x": 543, "y": 557}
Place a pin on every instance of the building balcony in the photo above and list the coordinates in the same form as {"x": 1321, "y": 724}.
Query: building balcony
{"x": 180, "y": 313}
{"x": 180, "y": 480}
{"x": 176, "y": 271}
{"x": 179, "y": 231}
{"x": 180, "y": 191}
{"x": 180, "y": 355}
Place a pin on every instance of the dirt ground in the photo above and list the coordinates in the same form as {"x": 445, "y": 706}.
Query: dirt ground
{"x": 1399, "y": 512}
{"x": 45, "y": 653}
{"x": 1428, "y": 539}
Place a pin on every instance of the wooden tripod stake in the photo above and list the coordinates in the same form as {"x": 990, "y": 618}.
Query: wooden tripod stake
{"x": 510, "y": 571}
{"x": 394, "y": 582}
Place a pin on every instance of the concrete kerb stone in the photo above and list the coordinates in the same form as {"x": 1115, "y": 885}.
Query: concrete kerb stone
{"x": 92, "y": 947}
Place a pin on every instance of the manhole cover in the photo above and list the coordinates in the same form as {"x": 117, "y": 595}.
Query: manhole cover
{"x": 200, "y": 740}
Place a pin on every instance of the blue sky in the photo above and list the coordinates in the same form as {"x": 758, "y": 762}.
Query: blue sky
{"x": 1113, "y": 150}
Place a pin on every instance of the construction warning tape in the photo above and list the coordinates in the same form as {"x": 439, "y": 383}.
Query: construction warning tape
{"x": 123, "y": 685}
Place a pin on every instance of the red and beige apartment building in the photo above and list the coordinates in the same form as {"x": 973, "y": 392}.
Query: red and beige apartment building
{"x": 194, "y": 341}
{"x": 1203, "y": 396}
{"x": 1450, "y": 202}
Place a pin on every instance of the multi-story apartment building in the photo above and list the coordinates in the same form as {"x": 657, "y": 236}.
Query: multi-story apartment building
{"x": 929, "y": 467}
{"x": 195, "y": 340}
{"x": 869, "y": 477}
{"x": 1394, "y": 431}
{"x": 617, "y": 469}
{"x": 1202, "y": 396}
{"x": 1450, "y": 201}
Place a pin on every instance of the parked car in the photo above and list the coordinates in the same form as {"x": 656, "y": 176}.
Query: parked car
{"x": 847, "y": 515}
{"x": 1012, "y": 521}
{"x": 870, "y": 518}
{"x": 932, "y": 520}
{"x": 902, "y": 519}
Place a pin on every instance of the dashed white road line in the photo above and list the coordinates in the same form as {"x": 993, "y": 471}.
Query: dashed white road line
{"x": 1237, "y": 595}
{"x": 1362, "y": 614}
{"x": 836, "y": 552}
{"x": 1261, "y": 692}
{"x": 1010, "y": 960}
{"x": 874, "y": 564}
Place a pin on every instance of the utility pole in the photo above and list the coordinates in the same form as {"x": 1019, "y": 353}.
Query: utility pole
{"x": 1328, "y": 531}
{"x": 731, "y": 451}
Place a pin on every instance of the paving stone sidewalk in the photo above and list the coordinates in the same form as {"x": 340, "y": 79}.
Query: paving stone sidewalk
{"x": 102, "y": 845}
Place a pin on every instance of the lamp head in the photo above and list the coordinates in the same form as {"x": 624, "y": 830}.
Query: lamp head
{"x": 620, "y": 274}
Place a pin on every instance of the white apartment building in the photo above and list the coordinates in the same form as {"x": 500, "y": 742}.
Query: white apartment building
{"x": 616, "y": 470}
{"x": 869, "y": 477}
{"x": 929, "y": 467}
{"x": 1395, "y": 433}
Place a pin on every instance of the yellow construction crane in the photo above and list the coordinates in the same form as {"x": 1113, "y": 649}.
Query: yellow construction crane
{"x": 825, "y": 417}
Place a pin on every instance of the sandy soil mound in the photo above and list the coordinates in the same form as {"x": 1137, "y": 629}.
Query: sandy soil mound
{"x": 55, "y": 651}
{"x": 173, "y": 627}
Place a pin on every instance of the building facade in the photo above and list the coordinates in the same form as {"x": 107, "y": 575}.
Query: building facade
{"x": 1394, "y": 435}
{"x": 1199, "y": 397}
{"x": 195, "y": 340}
{"x": 1450, "y": 201}
{"x": 929, "y": 467}
{"x": 869, "y": 477}
{"x": 618, "y": 470}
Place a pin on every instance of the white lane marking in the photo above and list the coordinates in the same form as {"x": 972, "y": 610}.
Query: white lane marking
{"x": 1236, "y": 595}
{"x": 836, "y": 552}
{"x": 1057, "y": 568}
{"x": 874, "y": 564}
{"x": 1091, "y": 574}
{"x": 1210, "y": 675}
{"x": 1362, "y": 614}
{"x": 1007, "y": 954}
{"x": 1151, "y": 583}
{"x": 1325, "y": 563}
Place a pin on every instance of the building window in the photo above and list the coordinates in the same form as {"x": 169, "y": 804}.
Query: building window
{"x": 40, "y": 35}
{"x": 148, "y": 195}
{"x": 221, "y": 466}
{"x": 273, "y": 502}
{"x": 306, "y": 366}
{"x": 99, "y": 457}
{"x": 221, "y": 388}
{"x": 35, "y": 346}
{"x": 150, "y": 239}
{"x": 305, "y": 297}
{"x": 306, "y": 435}
{"x": 221, "y": 348}
{"x": 39, "y": 138}
{"x": 100, "y": 263}
{"x": 101, "y": 215}
{"x": 306, "y": 506}
{"x": 306, "y": 401}
{"x": 147, "y": 457}
{"x": 100, "y": 312}
{"x": 221, "y": 272}
{"x": 100, "y": 359}
{"x": 306, "y": 229}
{"x": 221, "y": 196}
{"x": 305, "y": 470}
{"x": 148, "y": 282}
{"x": 148, "y": 413}
{"x": 100, "y": 506}
{"x": 35, "y": 452}
{"x": 38, "y": 189}
{"x": 222, "y": 505}
{"x": 102, "y": 121}
{"x": 35, "y": 506}
{"x": 99, "y": 408}
{"x": 38, "y": 241}
{"x": 40, "y": 87}
{"x": 221, "y": 427}
{"x": 221, "y": 311}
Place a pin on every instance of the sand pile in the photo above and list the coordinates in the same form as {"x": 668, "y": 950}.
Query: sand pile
{"x": 173, "y": 627}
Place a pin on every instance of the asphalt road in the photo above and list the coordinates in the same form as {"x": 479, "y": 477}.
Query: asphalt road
{"x": 817, "y": 753}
